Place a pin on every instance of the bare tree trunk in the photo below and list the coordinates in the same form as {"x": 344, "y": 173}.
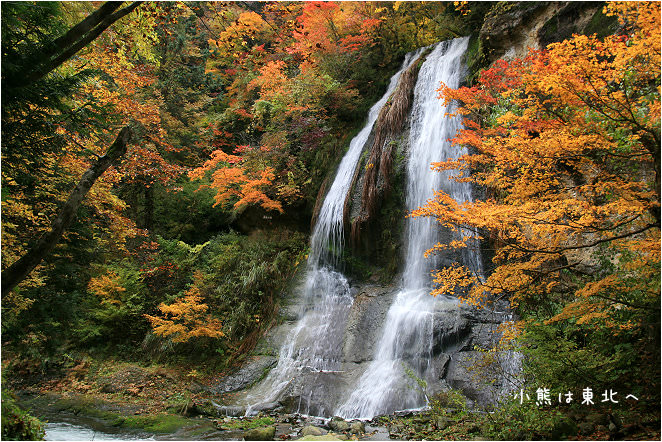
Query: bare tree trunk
{"x": 17, "y": 272}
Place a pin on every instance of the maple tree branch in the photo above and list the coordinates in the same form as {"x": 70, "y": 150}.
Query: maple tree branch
{"x": 629, "y": 304}
{"x": 583, "y": 246}
{"x": 248, "y": 6}
{"x": 20, "y": 269}
{"x": 623, "y": 118}
{"x": 582, "y": 227}
{"x": 198, "y": 17}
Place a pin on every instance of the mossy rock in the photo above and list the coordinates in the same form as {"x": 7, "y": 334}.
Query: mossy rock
{"x": 156, "y": 423}
{"x": 339, "y": 424}
{"x": 357, "y": 427}
{"x": 311, "y": 430}
{"x": 263, "y": 433}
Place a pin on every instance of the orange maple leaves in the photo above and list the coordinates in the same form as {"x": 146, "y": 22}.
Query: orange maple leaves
{"x": 186, "y": 318}
{"x": 236, "y": 183}
{"x": 332, "y": 28}
{"x": 567, "y": 143}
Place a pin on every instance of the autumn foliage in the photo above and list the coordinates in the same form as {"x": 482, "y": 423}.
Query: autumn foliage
{"x": 287, "y": 70}
{"x": 566, "y": 144}
{"x": 186, "y": 318}
{"x": 236, "y": 183}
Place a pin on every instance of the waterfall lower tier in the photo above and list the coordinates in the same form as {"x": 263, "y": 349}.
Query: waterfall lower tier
{"x": 405, "y": 349}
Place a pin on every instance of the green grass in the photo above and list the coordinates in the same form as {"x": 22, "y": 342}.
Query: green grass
{"x": 248, "y": 424}
{"x": 158, "y": 423}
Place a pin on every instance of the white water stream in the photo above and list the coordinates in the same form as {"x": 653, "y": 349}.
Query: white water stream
{"x": 404, "y": 352}
{"x": 315, "y": 344}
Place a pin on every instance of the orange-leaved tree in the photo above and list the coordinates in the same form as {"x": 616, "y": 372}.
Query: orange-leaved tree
{"x": 237, "y": 182}
{"x": 566, "y": 144}
{"x": 186, "y": 318}
{"x": 290, "y": 71}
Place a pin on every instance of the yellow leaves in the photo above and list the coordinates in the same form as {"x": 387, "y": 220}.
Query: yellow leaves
{"x": 509, "y": 331}
{"x": 588, "y": 306}
{"x": 186, "y": 318}
{"x": 233, "y": 39}
{"x": 108, "y": 287}
{"x": 449, "y": 279}
{"x": 643, "y": 21}
{"x": 648, "y": 248}
{"x": 462, "y": 7}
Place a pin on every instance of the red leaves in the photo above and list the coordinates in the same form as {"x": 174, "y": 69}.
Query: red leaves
{"x": 236, "y": 182}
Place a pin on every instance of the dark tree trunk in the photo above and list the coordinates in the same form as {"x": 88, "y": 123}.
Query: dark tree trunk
{"x": 148, "y": 218}
{"x": 15, "y": 273}
{"x": 65, "y": 47}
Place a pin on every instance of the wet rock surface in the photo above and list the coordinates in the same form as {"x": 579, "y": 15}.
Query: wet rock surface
{"x": 362, "y": 330}
{"x": 458, "y": 333}
{"x": 246, "y": 376}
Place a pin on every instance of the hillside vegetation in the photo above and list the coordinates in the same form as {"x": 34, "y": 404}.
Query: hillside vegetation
{"x": 162, "y": 161}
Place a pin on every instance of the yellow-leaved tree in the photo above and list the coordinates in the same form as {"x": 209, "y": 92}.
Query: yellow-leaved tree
{"x": 186, "y": 318}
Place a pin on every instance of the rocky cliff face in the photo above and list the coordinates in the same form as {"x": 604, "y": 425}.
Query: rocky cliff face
{"x": 461, "y": 336}
{"x": 510, "y": 28}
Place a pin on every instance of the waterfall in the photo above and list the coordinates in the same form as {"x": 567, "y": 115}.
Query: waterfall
{"x": 401, "y": 363}
{"x": 315, "y": 343}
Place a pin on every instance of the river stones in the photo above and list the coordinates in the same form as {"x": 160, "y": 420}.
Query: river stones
{"x": 328, "y": 436}
{"x": 311, "y": 430}
{"x": 339, "y": 424}
{"x": 357, "y": 427}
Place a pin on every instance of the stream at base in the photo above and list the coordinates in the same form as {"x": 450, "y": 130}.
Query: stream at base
{"x": 65, "y": 426}
{"x": 67, "y": 431}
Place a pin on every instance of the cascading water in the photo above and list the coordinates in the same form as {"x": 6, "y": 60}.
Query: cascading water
{"x": 405, "y": 349}
{"x": 315, "y": 344}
